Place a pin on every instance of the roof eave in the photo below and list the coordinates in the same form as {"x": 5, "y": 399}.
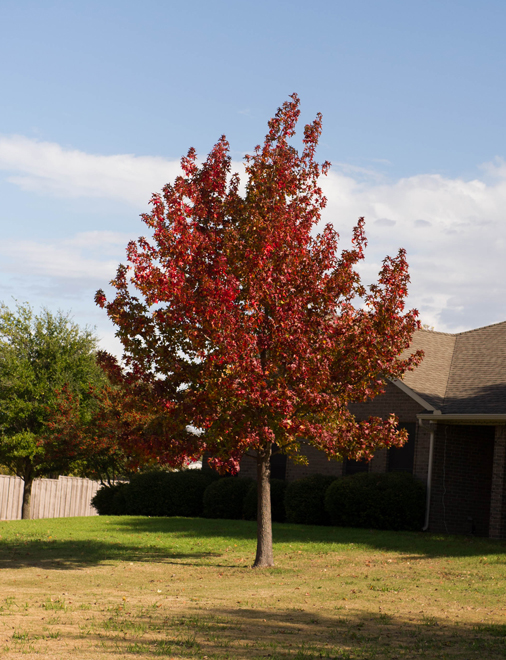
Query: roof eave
{"x": 416, "y": 397}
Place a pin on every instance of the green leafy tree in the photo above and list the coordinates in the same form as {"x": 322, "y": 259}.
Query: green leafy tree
{"x": 118, "y": 434}
{"x": 40, "y": 355}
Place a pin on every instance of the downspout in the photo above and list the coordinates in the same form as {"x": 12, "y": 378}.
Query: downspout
{"x": 429, "y": 478}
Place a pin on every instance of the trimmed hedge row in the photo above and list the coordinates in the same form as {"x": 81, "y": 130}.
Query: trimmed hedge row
{"x": 305, "y": 500}
{"x": 103, "y": 500}
{"x": 156, "y": 494}
{"x": 394, "y": 500}
{"x": 225, "y": 498}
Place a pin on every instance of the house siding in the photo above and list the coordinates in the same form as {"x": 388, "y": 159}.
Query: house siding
{"x": 401, "y": 404}
{"x": 392, "y": 401}
{"x": 318, "y": 463}
{"x": 497, "y": 527}
{"x": 462, "y": 373}
{"x": 422, "y": 449}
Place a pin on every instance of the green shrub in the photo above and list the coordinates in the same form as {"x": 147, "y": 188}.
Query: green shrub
{"x": 187, "y": 491}
{"x": 119, "y": 501}
{"x": 168, "y": 493}
{"x": 395, "y": 500}
{"x": 305, "y": 500}
{"x": 278, "y": 487}
{"x": 109, "y": 500}
{"x": 148, "y": 494}
{"x": 225, "y": 498}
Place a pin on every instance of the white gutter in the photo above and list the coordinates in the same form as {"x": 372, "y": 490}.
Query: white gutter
{"x": 443, "y": 418}
{"x": 429, "y": 479}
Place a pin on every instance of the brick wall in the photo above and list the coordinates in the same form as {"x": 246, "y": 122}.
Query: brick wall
{"x": 503, "y": 526}
{"x": 462, "y": 479}
{"x": 379, "y": 462}
{"x": 422, "y": 447}
{"x": 498, "y": 491}
{"x": 248, "y": 468}
{"x": 393, "y": 401}
{"x": 318, "y": 464}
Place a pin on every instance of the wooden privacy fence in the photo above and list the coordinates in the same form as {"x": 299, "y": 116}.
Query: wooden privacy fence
{"x": 51, "y": 498}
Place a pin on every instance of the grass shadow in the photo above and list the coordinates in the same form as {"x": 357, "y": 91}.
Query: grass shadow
{"x": 82, "y": 542}
{"x": 290, "y": 634}
{"x": 366, "y": 635}
{"x": 69, "y": 554}
{"x": 415, "y": 544}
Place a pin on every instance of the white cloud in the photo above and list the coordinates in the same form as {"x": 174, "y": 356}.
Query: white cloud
{"x": 454, "y": 230}
{"x": 385, "y": 222}
{"x": 48, "y": 168}
{"x": 67, "y": 260}
{"x": 64, "y": 274}
{"x": 107, "y": 341}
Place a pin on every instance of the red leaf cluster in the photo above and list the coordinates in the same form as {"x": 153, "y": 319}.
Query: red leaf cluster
{"x": 239, "y": 320}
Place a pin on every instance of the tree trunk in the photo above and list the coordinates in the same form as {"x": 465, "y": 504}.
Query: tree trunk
{"x": 264, "y": 518}
{"x": 27, "y": 496}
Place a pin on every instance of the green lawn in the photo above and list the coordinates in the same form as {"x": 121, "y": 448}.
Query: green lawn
{"x": 134, "y": 587}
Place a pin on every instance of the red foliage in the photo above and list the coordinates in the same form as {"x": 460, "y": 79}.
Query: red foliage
{"x": 115, "y": 436}
{"x": 244, "y": 324}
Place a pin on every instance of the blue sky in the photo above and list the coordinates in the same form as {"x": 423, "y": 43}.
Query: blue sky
{"x": 101, "y": 99}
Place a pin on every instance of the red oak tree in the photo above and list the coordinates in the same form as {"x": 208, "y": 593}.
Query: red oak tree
{"x": 244, "y": 323}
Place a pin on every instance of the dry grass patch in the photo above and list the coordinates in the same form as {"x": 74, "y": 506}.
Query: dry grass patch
{"x": 183, "y": 588}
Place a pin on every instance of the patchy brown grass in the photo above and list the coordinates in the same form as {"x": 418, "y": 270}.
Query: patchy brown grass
{"x": 101, "y": 588}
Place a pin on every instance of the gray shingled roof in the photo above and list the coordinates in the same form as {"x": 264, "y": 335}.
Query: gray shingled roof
{"x": 462, "y": 373}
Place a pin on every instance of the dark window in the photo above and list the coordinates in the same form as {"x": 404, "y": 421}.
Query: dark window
{"x": 354, "y": 467}
{"x": 278, "y": 464}
{"x": 401, "y": 459}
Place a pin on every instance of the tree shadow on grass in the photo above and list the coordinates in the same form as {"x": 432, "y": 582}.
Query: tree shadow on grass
{"x": 75, "y": 554}
{"x": 249, "y": 634}
{"x": 65, "y": 553}
{"x": 366, "y": 634}
{"x": 415, "y": 544}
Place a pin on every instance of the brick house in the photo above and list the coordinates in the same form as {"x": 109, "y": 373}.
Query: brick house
{"x": 454, "y": 408}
